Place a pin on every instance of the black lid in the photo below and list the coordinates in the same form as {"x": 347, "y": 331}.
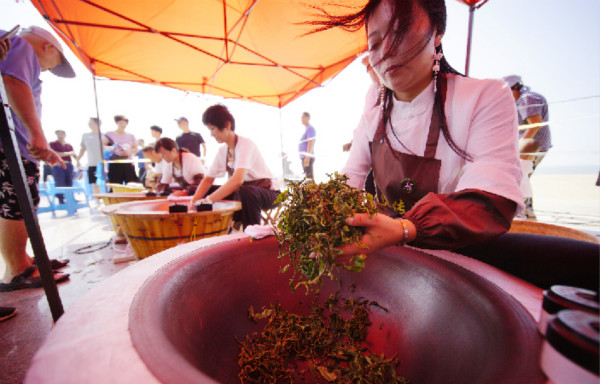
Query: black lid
{"x": 560, "y": 297}
{"x": 576, "y": 336}
{"x": 178, "y": 208}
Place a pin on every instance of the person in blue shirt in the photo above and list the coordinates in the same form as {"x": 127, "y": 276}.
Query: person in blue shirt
{"x": 306, "y": 147}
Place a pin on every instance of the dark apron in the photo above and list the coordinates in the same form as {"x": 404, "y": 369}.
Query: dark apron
{"x": 402, "y": 179}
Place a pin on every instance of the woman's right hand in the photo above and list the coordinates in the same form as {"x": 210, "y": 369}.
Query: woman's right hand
{"x": 192, "y": 202}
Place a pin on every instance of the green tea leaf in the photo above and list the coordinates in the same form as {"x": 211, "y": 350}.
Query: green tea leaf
{"x": 312, "y": 226}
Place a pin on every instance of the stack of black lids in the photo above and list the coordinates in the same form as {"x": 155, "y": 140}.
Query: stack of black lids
{"x": 572, "y": 328}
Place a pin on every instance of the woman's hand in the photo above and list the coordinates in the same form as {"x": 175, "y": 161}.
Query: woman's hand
{"x": 380, "y": 231}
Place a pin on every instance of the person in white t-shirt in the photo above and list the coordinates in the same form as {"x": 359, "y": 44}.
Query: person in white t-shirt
{"x": 250, "y": 180}
{"x": 180, "y": 166}
{"x": 153, "y": 171}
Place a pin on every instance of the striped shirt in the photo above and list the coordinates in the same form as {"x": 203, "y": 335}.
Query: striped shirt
{"x": 531, "y": 104}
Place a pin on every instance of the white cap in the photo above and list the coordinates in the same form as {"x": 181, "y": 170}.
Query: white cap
{"x": 64, "y": 69}
{"x": 512, "y": 80}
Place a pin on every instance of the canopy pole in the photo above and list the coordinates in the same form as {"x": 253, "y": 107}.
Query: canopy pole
{"x": 281, "y": 143}
{"x": 470, "y": 34}
{"x": 10, "y": 147}
{"x": 99, "y": 128}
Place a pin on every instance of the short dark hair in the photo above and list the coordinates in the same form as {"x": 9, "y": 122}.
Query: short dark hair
{"x": 156, "y": 128}
{"x": 166, "y": 143}
{"x": 120, "y": 117}
{"x": 218, "y": 115}
{"x": 96, "y": 120}
{"x": 148, "y": 148}
{"x": 305, "y": 114}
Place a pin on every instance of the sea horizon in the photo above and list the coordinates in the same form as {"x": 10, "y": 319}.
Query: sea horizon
{"x": 568, "y": 169}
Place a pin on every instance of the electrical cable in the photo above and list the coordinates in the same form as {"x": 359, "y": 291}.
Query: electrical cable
{"x": 92, "y": 248}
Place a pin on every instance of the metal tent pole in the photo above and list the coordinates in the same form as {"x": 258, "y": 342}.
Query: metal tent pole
{"x": 469, "y": 36}
{"x": 281, "y": 143}
{"x": 8, "y": 140}
{"x": 99, "y": 128}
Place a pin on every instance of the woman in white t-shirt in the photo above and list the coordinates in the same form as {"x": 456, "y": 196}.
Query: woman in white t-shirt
{"x": 250, "y": 180}
{"x": 180, "y": 166}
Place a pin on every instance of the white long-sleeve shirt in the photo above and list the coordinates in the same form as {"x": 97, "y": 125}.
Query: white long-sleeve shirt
{"x": 482, "y": 120}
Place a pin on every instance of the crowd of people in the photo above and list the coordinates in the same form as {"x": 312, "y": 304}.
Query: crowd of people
{"x": 117, "y": 153}
{"x": 441, "y": 148}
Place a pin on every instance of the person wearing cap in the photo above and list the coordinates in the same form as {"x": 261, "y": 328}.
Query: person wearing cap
{"x": 190, "y": 140}
{"x": 63, "y": 177}
{"x": 534, "y": 133}
{"x": 5, "y": 312}
{"x": 124, "y": 147}
{"x": 35, "y": 50}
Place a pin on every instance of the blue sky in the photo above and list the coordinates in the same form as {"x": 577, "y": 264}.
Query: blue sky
{"x": 554, "y": 45}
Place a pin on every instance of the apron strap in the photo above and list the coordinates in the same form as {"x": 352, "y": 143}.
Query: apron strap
{"x": 227, "y": 167}
{"x": 434, "y": 127}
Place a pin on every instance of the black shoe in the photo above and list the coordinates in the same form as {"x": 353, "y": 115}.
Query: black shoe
{"x": 7, "y": 312}
{"x": 56, "y": 264}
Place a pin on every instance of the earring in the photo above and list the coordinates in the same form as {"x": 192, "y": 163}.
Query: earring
{"x": 381, "y": 96}
{"x": 436, "y": 68}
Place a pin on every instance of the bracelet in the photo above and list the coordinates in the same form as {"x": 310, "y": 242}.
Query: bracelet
{"x": 405, "y": 233}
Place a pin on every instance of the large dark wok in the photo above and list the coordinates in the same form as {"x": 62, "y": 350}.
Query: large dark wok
{"x": 447, "y": 324}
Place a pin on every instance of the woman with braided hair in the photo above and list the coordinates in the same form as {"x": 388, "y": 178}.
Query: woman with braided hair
{"x": 442, "y": 146}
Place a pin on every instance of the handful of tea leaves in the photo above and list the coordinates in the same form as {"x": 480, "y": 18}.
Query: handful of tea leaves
{"x": 327, "y": 344}
{"x": 312, "y": 226}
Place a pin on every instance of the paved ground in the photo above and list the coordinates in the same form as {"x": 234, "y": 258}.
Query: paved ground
{"x": 21, "y": 336}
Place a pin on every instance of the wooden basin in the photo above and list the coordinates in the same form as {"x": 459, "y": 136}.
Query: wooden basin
{"x": 125, "y": 188}
{"x": 535, "y": 227}
{"x": 123, "y": 197}
{"x": 446, "y": 324}
{"x": 150, "y": 228}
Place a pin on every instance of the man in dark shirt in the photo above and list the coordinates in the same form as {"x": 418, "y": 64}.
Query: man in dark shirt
{"x": 190, "y": 140}
{"x": 63, "y": 177}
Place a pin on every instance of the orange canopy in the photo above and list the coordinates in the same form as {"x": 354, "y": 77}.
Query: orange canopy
{"x": 246, "y": 49}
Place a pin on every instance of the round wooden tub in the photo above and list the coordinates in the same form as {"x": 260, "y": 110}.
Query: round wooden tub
{"x": 125, "y": 188}
{"x": 535, "y": 227}
{"x": 150, "y": 228}
{"x": 123, "y": 197}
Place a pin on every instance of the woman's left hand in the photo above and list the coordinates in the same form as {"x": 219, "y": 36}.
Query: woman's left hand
{"x": 380, "y": 231}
